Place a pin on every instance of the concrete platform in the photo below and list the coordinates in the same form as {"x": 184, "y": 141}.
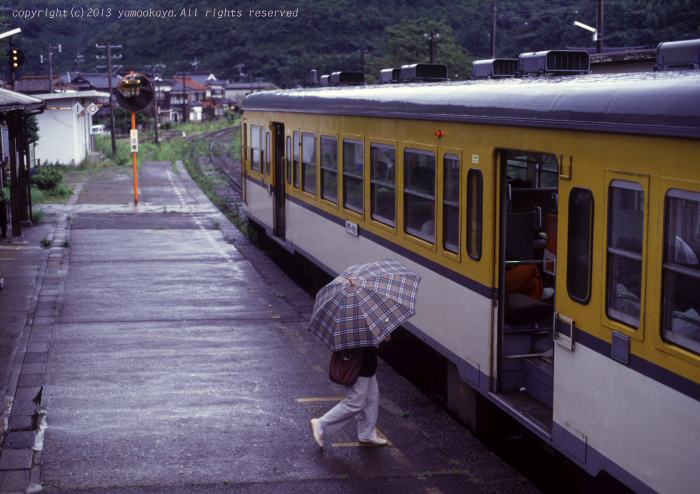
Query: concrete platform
{"x": 153, "y": 349}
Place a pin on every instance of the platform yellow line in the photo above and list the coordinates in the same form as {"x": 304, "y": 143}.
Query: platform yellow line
{"x": 359, "y": 444}
{"x": 305, "y": 400}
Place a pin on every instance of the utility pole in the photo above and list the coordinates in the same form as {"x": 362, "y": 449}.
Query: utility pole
{"x": 12, "y": 47}
{"x": 51, "y": 48}
{"x": 432, "y": 37}
{"x": 184, "y": 90}
{"x": 156, "y": 66}
{"x": 362, "y": 59}
{"x": 493, "y": 31}
{"x": 599, "y": 40}
{"x": 109, "y": 58}
{"x": 78, "y": 60}
{"x": 184, "y": 95}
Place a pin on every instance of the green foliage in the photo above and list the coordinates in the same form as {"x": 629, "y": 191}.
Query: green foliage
{"x": 32, "y": 129}
{"x": 405, "y": 43}
{"x": 327, "y": 34}
{"x": 47, "y": 178}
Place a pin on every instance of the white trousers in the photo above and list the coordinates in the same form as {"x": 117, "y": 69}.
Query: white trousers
{"x": 362, "y": 400}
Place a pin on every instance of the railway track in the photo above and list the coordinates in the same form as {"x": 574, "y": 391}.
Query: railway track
{"x": 230, "y": 168}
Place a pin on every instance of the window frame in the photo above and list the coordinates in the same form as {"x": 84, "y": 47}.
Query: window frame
{"x": 477, "y": 208}
{"x": 668, "y": 336}
{"x": 611, "y": 323}
{"x": 326, "y": 170}
{"x": 313, "y": 190}
{"x": 445, "y": 203}
{"x": 410, "y": 232}
{"x": 347, "y": 177}
{"x": 382, "y": 144}
{"x": 296, "y": 155}
{"x": 255, "y": 139}
{"x": 572, "y": 239}
{"x": 288, "y": 153}
{"x": 267, "y": 154}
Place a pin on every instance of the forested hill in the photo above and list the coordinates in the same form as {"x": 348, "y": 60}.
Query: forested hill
{"x": 281, "y": 40}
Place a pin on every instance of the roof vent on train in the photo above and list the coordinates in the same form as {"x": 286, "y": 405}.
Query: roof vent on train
{"x": 424, "y": 72}
{"x": 496, "y": 68}
{"x": 347, "y": 79}
{"x": 554, "y": 62}
{"x": 313, "y": 78}
{"x": 678, "y": 55}
{"x": 390, "y": 76}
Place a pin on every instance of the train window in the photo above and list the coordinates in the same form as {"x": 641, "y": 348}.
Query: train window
{"x": 548, "y": 171}
{"x": 382, "y": 162}
{"x": 419, "y": 193}
{"x": 267, "y": 154}
{"x": 308, "y": 162}
{"x": 295, "y": 152}
{"x": 625, "y": 241}
{"x": 255, "y": 147}
{"x": 451, "y": 203}
{"x": 289, "y": 159}
{"x": 681, "y": 270}
{"x": 475, "y": 196}
{"x": 580, "y": 245}
{"x": 532, "y": 170}
{"x": 353, "y": 174}
{"x": 329, "y": 168}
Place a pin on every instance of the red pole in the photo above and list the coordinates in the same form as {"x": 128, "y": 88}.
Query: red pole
{"x": 136, "y": 168}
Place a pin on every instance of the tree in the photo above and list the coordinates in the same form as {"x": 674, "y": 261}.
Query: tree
{"x": 32, "y": 128}
{"x": 405, "y": 43}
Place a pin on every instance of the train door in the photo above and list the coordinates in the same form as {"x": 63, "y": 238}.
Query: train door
{"x": 279, "y": 180}
{"x": 527, "y": 277}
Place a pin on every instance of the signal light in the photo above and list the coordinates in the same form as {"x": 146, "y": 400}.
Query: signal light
{"x": 15, "y": 58}
{"x": 439, "y": 133}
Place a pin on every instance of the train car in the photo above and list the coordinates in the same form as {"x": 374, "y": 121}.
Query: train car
{"x": 587, "y": 186}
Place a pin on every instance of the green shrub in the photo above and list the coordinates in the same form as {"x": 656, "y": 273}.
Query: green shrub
{"x": 47, "y": 178}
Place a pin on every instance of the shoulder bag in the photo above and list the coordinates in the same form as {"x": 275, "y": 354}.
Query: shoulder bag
{"x": 345, "y": 366}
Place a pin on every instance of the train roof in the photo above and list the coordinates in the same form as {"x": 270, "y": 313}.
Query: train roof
{"x": 654, "y": 103}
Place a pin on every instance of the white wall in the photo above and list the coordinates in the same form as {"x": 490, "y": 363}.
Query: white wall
{"x": 64, "y": 133}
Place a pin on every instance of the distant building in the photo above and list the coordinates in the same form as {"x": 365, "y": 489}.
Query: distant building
{"x": 38, "y": 84}
{"x": 237, "y": 91}
{"x": 65, "y": 127}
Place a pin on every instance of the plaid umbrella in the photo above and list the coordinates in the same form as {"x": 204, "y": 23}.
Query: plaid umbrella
{"x": 364, "y": 304}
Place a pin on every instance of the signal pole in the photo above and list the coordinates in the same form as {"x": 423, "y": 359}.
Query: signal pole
{"x": 109, "y": 58}
{"x": 493, "y": 31}
{"x": 432, "y": 37}
{"x": 599, "y": 39}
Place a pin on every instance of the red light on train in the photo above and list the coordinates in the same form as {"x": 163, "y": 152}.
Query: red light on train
{"x": 439, "y": 133}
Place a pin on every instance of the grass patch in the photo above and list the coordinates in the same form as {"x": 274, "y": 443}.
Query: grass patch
{"x": 38, "y": 216}
{"x": 194, "y": 150}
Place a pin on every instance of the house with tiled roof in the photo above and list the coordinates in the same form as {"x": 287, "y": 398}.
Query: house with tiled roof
{"x": 37, "y": 84}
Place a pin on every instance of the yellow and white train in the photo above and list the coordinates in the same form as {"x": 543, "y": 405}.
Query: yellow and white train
{"x": 593, "y": 179}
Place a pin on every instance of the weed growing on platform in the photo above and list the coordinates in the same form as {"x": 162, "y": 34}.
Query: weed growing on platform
{"x": 45, "y": 242}
{"x": 38, "y": 216}
{"x": 66, "y": 243}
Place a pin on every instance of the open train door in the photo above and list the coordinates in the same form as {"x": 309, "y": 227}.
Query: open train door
{"x": 279, "y": 174}
{"x": 527, "y": 279}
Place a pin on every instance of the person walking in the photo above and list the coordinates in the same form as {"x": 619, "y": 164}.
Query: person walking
{"x": 361, "y": 400}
